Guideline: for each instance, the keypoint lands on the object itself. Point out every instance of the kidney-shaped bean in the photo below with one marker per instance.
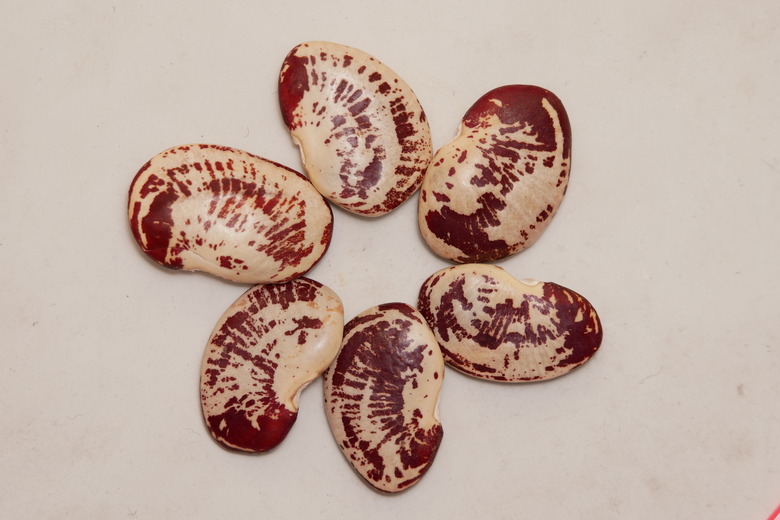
(363, 136)
(229, 213)
(382, 393)
(493, 326)
(492, 191)
(267, 347)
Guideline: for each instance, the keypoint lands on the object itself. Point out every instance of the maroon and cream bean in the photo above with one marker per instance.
(229, 213)
(267, 347)
(493, 326)
(493, 190)
(363, 136)
(382, 394)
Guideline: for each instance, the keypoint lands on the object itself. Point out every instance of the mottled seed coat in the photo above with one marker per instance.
(224, 211)
(267, 347)
(493, 326)
(382, 394)
(492, 191)
(363, 135)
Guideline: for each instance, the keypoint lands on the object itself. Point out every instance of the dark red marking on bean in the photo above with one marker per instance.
(339, 92)
(583, 339)
(156, 227)
(153, 184)
(360, 182)
(359, 107)
(354, 96)
(364, 123)
(467, 232)
(302, 325)
(544, 214)
(295, 82)
(440, 197)
(522, 105)
(259, 435)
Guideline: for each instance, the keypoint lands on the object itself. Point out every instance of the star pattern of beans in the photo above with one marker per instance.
(366, 146)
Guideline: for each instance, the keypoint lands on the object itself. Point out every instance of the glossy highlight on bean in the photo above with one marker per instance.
(382, 394)
(492, 191)
(227, 212)
(268, 346)
(363, 135)
(492, 326)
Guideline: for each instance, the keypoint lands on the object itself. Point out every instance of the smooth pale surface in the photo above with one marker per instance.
(669, 227)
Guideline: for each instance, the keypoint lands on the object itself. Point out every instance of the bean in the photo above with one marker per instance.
(268, 346)
(229, 213)
(363, 135)
(493, 190)
(382, 394)
(493, 326)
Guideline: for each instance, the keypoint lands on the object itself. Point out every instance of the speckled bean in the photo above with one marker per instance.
(382, 394)
(493, 326)
(229, 213)
(493, 190)
(267, 347)
(364, 138)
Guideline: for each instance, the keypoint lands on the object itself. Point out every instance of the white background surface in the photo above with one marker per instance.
(669, 227)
